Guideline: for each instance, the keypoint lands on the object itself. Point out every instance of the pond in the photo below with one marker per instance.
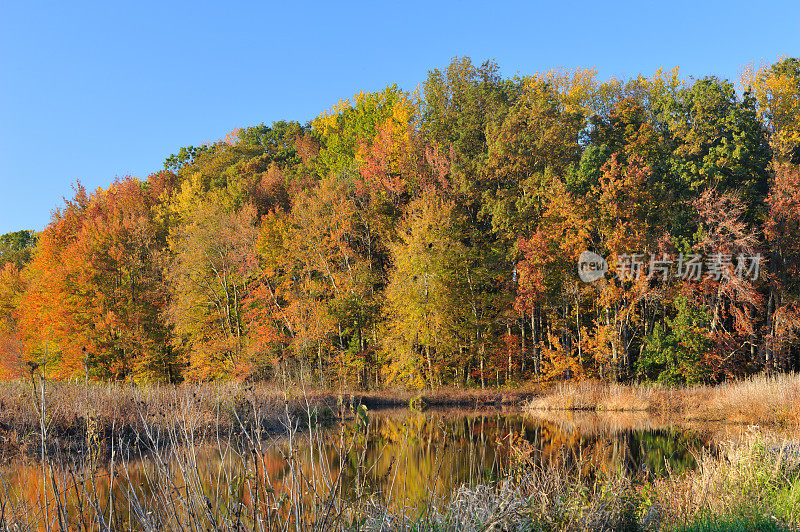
(393, 458)
(410, 458)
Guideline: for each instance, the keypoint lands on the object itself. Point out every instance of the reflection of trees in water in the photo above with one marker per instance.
(410, 458)
(630, 451)
(413, 457)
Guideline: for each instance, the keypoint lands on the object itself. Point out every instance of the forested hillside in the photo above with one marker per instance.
(433, 237)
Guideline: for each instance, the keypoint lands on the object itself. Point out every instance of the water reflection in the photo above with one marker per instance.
(402, 458)
(413, 457)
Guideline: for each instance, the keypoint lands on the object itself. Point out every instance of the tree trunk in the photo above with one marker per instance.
(522, 347)
(508, 368)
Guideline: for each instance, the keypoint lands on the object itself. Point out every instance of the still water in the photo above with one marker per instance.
(397, 457)
(413, 458)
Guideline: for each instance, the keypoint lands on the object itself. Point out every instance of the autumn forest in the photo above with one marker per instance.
(426, 238)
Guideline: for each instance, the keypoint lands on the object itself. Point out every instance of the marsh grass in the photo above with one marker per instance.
(751, 485)
(119, 409)
(158, 482)
(762, 399)
(273, 469)
(123, 412)
(162, 484)
(754, 481)
(594, 395)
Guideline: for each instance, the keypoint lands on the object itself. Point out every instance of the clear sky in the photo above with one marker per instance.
(91, 91)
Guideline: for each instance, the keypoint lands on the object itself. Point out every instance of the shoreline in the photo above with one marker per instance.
(77, 412)
(761, 400)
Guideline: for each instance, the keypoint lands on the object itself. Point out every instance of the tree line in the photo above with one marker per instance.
(432, 237)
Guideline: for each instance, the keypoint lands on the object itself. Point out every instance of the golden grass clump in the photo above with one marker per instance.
(594, 395)
(761, 400)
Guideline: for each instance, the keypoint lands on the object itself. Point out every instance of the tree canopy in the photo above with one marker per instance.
(434, 237)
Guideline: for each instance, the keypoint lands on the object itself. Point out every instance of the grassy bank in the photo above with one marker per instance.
(763, 400)
(70, 414)
(74, 409)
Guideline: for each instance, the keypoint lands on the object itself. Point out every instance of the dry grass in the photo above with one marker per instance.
(122, 410)
(161, 484)
(772, 400)
(761, 399)
(446, 396)
(755, 478)
(754, 482)
(594, 395)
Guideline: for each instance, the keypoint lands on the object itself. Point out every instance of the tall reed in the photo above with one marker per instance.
(761, 399)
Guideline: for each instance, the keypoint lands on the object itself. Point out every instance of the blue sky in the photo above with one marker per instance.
(91, 91)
